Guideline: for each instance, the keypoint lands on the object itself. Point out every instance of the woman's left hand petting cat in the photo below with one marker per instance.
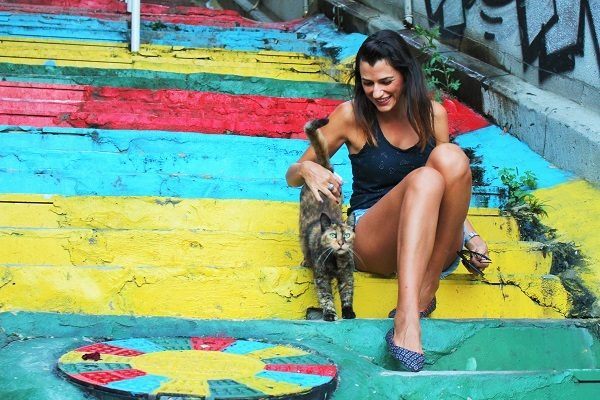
(320, 179)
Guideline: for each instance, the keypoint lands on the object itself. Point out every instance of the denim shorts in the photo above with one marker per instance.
(356, 215)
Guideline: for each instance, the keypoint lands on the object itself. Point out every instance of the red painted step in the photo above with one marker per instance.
(117, 10)
(461, 118)
(177, 110)
(180, 110)
(172, 110)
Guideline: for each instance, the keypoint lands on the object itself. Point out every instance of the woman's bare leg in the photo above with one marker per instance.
(431, 204)
(397, 235)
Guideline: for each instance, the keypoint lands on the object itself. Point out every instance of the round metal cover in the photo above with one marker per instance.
(193, 368)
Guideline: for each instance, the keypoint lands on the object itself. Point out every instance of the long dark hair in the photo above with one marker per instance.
(390, 46)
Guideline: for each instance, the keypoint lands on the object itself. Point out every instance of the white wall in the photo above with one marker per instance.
(553, 44)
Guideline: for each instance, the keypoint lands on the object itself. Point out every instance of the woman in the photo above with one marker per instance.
(411, 187)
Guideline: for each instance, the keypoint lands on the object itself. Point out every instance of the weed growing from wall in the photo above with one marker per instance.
(438, 72)
(527, 210)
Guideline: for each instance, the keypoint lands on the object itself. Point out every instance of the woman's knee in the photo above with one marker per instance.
(450, 161)
(426, 181)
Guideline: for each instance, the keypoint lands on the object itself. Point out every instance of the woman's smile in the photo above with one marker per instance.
(382, 102)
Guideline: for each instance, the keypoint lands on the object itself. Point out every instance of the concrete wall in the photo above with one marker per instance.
(286, 9)
(553, 44)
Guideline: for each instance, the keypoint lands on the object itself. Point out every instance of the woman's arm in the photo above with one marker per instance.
(307, 171)
(440, 123)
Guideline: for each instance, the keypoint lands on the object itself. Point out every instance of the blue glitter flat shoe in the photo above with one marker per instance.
(409, 360)
(422, 314)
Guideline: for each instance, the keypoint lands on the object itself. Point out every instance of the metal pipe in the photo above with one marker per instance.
(305, 13)
(408, 13)
(249, 8)
(135, 25)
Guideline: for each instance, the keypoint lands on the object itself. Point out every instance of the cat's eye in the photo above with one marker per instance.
(333, 235)
(346, 235)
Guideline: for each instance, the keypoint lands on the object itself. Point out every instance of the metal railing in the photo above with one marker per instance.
(133, 7)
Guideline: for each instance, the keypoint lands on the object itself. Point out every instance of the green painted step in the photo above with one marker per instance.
(205, 82)
(477, 359)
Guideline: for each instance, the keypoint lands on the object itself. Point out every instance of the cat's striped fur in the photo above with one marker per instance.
(325, 239)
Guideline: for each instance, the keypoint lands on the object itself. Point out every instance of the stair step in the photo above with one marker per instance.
(116, 10)
(166, 109)
(233, 84)
(251, 293)
(189, 248)
(505, 359)
(266, 64)
(159, 163)
(84, 28)
(164, 213)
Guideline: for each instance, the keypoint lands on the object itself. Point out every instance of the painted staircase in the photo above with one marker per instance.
(153, 183)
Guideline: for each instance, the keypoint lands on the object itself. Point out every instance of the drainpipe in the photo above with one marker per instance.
(251, 10)
(135, 25)
(408, 16)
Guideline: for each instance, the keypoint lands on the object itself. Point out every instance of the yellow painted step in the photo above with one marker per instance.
(189, 248)
(250, 293)
(265, 64)
(162, 213)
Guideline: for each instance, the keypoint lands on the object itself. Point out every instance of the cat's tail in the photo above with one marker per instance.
(318, 141)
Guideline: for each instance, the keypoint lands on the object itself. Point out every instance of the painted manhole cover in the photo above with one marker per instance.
(194, 368)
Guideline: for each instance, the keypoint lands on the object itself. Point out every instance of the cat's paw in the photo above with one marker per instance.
(329, 316)
(348, 313)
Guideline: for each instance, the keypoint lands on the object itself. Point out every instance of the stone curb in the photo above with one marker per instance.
(560, 130)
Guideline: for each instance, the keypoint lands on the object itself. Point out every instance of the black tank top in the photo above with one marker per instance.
(377, 169)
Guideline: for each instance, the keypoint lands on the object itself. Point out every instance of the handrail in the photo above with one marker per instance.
(133, 7)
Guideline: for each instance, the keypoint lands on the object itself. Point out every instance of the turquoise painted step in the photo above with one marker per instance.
(156, 163)
(491, 144)
(479, 359)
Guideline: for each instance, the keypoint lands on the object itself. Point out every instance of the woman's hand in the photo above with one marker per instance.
(478, 245)
(320, 179)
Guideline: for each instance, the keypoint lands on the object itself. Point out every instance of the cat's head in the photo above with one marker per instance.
(337, 236)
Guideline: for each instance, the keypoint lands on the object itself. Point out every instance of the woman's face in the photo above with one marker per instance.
(382, 84)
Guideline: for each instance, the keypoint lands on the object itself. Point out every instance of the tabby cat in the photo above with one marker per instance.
(325, 239)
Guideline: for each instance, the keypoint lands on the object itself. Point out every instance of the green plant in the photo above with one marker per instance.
(523, 206)
(527, 211)
(438, 72)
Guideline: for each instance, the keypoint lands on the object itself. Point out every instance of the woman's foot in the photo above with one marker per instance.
(409, 360)
(407, 333)
(422, 314)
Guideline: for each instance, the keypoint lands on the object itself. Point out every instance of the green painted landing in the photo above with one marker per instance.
(477, 359)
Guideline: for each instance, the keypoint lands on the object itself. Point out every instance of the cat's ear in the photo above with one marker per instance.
(325, 222)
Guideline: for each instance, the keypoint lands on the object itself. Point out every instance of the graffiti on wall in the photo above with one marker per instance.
(551, 31)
